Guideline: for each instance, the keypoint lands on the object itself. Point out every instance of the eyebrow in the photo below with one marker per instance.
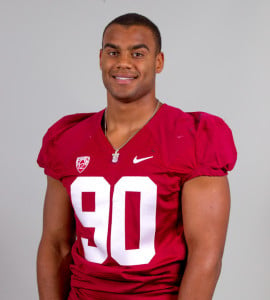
(109, 45)
(135, 47)
(139, 46)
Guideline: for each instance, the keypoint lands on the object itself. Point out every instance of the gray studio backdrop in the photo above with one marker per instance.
(217, 60)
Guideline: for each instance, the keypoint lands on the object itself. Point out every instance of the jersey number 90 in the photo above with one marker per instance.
(99, 219)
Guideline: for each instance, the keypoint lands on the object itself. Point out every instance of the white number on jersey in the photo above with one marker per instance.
(99, 219)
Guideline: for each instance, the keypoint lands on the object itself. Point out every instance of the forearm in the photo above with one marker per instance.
(53, 272)
(200, 278)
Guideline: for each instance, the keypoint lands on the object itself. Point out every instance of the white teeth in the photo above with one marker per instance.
(123, 78)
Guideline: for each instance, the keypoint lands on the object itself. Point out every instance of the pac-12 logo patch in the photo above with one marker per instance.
(82, 163)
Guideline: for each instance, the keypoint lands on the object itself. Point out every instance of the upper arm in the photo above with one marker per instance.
(58, 220)
(205, 208)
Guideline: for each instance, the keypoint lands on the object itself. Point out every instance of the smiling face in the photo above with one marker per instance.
(129, 62)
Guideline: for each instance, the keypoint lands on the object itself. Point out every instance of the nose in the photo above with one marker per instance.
(124, 61)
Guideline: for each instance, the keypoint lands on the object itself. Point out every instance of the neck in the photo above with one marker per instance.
(129, 116)
(120, 128)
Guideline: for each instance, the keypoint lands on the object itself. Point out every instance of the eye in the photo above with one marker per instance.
(113, 53)
(137, 54)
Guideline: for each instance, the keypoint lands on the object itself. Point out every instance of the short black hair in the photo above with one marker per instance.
(131, 19)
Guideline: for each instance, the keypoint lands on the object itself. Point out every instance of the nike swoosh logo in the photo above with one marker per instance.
(138, 160)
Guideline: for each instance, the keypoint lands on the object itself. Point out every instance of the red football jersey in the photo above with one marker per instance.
(130, 242)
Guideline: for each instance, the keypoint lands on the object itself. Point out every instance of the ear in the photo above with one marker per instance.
(100, 55)
(159, 62)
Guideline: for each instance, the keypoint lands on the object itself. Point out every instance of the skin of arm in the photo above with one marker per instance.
(54, 253)
(205, 208)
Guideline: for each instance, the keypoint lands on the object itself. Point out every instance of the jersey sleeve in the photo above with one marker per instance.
(214, 149)
(50, 153)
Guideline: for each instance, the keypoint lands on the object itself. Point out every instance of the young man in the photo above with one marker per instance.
(137, 200)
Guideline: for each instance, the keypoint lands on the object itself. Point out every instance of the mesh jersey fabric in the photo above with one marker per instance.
(130, 242)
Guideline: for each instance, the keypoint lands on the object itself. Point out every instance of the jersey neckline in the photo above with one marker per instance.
(107, 143)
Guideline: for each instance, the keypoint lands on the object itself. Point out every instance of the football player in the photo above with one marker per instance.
(137, 200)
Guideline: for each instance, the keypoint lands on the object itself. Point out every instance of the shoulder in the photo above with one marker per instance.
(203, 120)
(63, 138)
(68, 122)
(193, 122)
(189, 124)
(194, 118)
(197, 143)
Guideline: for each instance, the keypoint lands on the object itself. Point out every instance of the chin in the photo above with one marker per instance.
(128, 97)
(125, 98)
